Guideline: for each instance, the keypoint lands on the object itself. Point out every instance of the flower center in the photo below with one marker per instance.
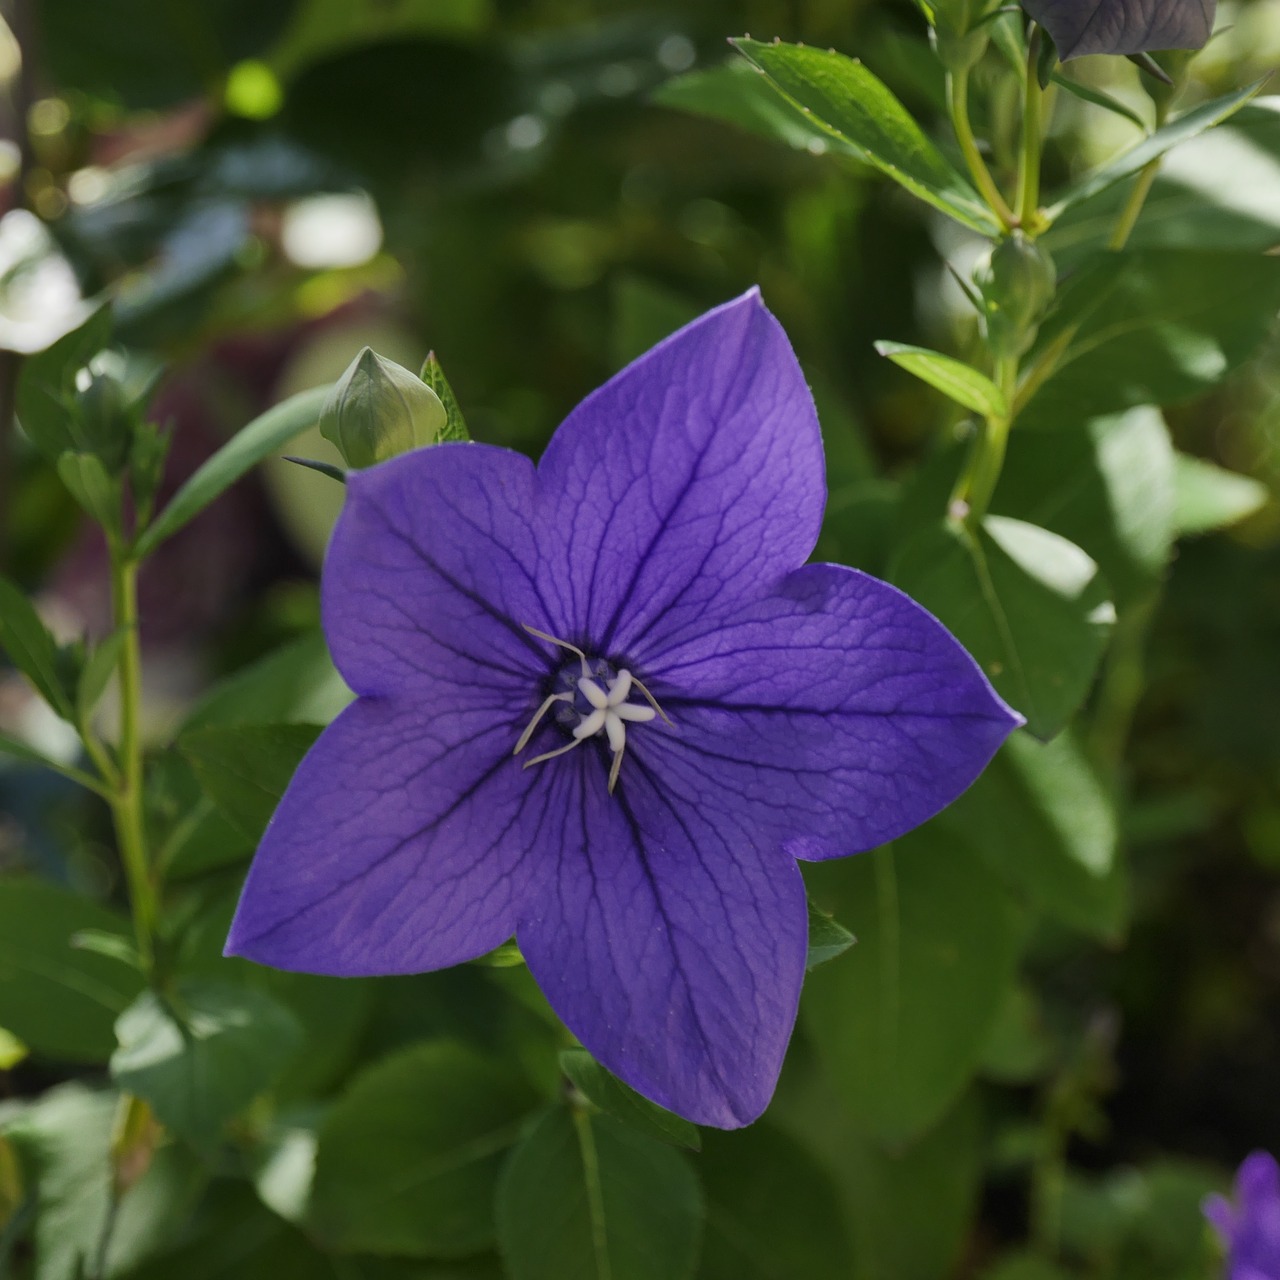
(591, 697)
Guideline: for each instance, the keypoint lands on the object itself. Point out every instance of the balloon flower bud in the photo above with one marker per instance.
(378, 409)
(1017, 282)
(105, 411)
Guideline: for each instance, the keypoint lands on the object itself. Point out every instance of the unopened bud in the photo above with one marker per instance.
(378, 409)
(1017, 282)
(106, 411)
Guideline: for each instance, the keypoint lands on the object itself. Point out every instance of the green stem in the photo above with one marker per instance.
(1028, 199)
(958, 109)
(595, 1192)
(127, 804)
(1128, 218)
(977, 483)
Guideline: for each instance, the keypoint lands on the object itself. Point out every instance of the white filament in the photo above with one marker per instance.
(610, 711)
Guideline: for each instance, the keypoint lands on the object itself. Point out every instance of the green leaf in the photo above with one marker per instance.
(408, 1158)
(859, 113)
(295, 684)
(737, 94)
(249, 446)
(900, 1023)
(915, 1205)
(1044, 822)
(202, 1054)
(1220, 190)
(64, 1140)
(48, 379)
(1018, 1051)
(828, 938)
(954, 378)
(1155, 326)
(31, 647)
(97, 672)
(1185, 127)
(587, 1197)
(60, 1001)
(1095, 96)
(455, 426)
(1027, 604)
(1107, 486)
(1210, 498)
(772, 1210)
(621, 1101)
(245, 769)
(90, 485)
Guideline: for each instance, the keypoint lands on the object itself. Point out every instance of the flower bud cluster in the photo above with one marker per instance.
(1016, 282)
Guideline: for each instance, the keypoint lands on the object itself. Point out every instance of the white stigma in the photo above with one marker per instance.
(610, 711)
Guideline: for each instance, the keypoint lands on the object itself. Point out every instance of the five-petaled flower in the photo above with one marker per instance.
(1250, 1228)
(604, 708)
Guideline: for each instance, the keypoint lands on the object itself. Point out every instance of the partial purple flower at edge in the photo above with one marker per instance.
(1250, 1228)
(1078, 27)
(806, 712)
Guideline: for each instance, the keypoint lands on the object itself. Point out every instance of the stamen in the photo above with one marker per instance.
(537, 719)
(564, 644)
(551, 755)
(590, 725)
(653, 702)
(610, 711)
(594, 694)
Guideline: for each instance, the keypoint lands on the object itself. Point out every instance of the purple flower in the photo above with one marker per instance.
(603, 708)
(1123, 26)
(1250, 1228)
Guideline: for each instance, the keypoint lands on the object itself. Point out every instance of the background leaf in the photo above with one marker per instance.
(249, 446)
(899, 1023)
(59, 1000)
(624, 1103)
(587, 1197)
(395, 1176)
(201, 1055)
(772, 1210)
(1155, 326)
(1028, 605)
(1208, 498)
(245, 769)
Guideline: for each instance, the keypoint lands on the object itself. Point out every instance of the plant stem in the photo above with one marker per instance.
(127, 804)
(1028, 198)
(977, 482)
(1128, 218)
(958, 109)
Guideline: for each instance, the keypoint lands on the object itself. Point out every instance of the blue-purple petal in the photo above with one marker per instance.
(398, 847)
(682, 484)
(670, 943)
(835, 711)
(432, 571)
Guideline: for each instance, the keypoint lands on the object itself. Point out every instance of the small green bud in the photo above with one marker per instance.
(1017, 281)
(105, 409)
(959, 31)
(378, 409)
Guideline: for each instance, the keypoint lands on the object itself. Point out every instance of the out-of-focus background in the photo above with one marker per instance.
(265, 186)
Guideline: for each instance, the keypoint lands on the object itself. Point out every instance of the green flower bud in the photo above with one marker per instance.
(100, 410)
(378, 409)
(1017, 281)
(958, 32)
